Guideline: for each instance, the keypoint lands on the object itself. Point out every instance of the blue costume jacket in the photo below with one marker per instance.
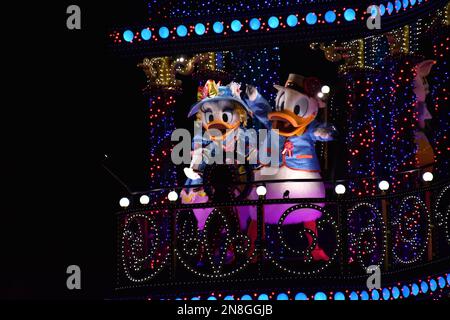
(297, 152)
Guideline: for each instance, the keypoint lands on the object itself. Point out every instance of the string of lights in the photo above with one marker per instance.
(433, 286)
(440, 92)
(337, 15)
(366, 235)
(411, 230)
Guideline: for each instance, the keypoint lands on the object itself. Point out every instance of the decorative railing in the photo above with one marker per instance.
(161, 246)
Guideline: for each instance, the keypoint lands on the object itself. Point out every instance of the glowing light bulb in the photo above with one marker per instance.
(325, 89)
(144, 199)
(172, 196)
(261, 191)
(427, 176)
(340, 189)
(124, 202)
(383, 185)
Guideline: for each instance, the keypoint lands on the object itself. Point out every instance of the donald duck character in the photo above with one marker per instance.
(222, 114)
(296, 107)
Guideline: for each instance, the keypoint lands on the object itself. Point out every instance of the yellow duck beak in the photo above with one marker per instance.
(219, 130)
(288, 123)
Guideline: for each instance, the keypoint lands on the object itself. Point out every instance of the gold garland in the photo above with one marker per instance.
(161, 71)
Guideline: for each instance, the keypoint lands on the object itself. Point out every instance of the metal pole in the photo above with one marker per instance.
(342, 229)
(173, 238)
(385, 213)
(431, 220)
(260, 233)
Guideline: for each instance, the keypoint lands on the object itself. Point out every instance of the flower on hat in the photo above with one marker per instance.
(209, 90)
(214, 91)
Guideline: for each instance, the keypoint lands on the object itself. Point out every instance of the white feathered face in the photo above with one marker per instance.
(296, 102)
(220, 118)
(293, 111)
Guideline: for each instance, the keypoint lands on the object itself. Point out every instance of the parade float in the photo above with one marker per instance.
(361, 117)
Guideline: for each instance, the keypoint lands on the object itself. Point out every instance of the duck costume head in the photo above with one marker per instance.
(296, 105)
(220, 109)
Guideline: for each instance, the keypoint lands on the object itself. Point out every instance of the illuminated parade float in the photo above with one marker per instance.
(339, 111)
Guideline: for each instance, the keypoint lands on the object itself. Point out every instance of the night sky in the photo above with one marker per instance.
(72, 103)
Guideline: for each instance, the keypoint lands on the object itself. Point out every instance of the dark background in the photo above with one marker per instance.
(68, 102)
(73, 101)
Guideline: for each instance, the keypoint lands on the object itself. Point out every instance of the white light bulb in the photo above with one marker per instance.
(144, 199)
(325, 89)
(124, 202)
(383, 185)
(427, 176)
(261, 191)
(172, 196)
(340, 189)
(320, 95)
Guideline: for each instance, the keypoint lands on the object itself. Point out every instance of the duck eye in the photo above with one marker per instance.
(227, 116)
(209, 116)
(282, 105)
(301, 107)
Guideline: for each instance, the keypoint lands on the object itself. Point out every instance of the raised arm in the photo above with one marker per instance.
(323, 132)
(259, 106)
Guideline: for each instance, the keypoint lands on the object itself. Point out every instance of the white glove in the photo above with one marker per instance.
(252, 92)
(191, 174)
(323, 133)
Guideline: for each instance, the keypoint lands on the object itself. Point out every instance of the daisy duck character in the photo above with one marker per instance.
(223, 116)
(297, 105)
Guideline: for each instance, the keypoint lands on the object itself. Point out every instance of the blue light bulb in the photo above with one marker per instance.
(146, 34)
(330, 16)
(182, 31)
(292, 20)
(236, 25)
(320, 296)
(128, 36)
(311, 18)
(349, 14)
(255, 24)
(218, 27)
(273, 22)
(200, 29)
(163, 32)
